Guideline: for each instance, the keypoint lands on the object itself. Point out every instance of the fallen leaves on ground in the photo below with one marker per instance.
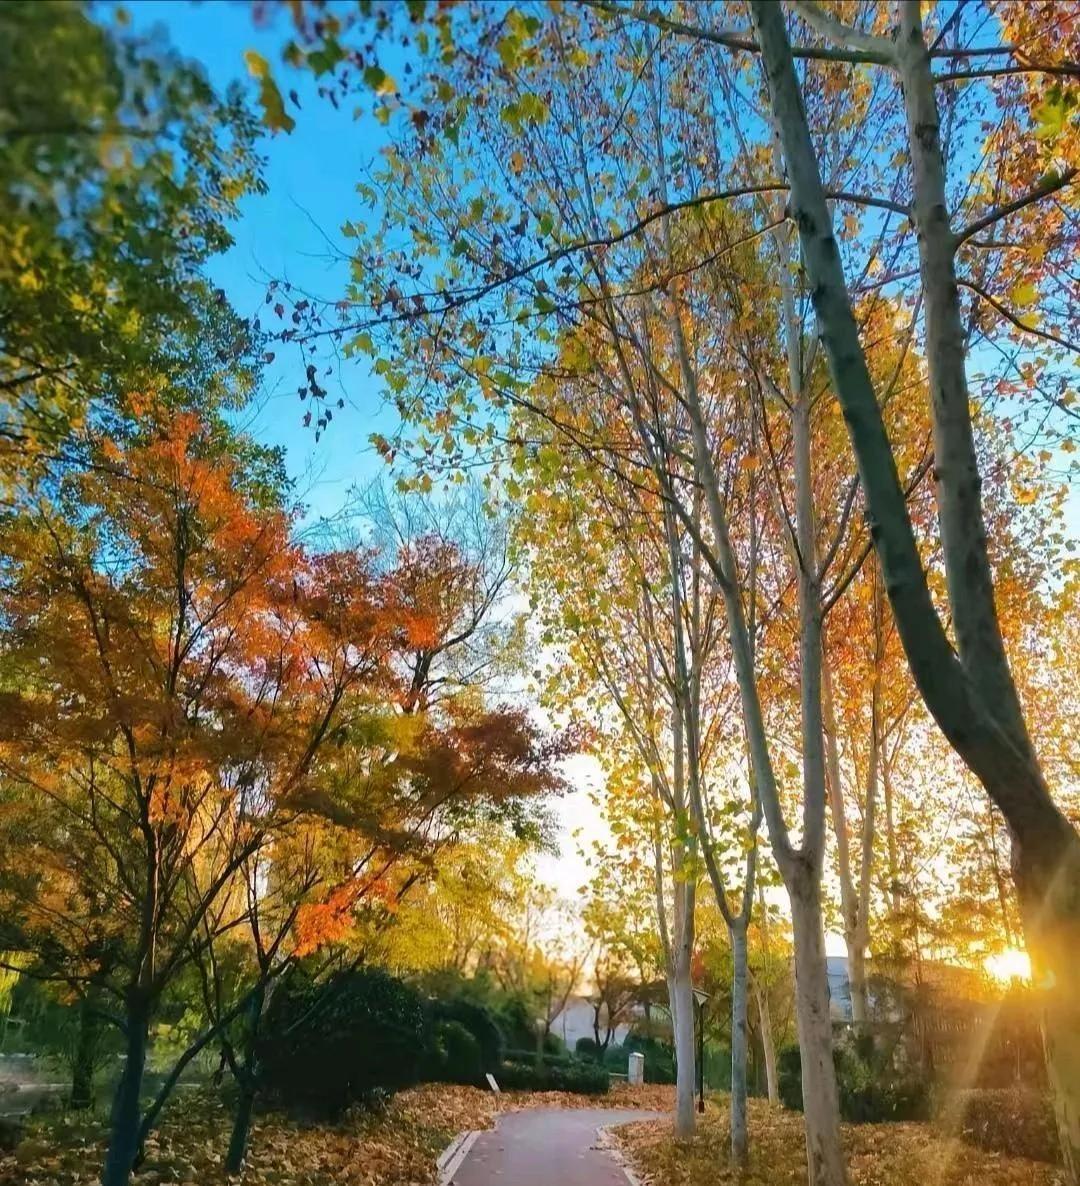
(398, 1147)
(877, 1154)
(395, 1148)
(652, 1097)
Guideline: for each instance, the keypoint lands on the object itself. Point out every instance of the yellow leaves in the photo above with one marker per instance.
(1024, 294)
(257, 65)
(899, 1154)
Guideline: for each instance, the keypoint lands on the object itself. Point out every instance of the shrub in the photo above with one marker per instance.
(478, 1020)
(587, 1048)
(351, 1040)
(1013, 1120)
(870, 1093)
(455, 1055)
(548, 1057)
(580, 1078)
(789, 1077)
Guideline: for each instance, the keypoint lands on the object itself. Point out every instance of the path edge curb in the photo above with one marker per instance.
(606, 1141)
(449, 1160)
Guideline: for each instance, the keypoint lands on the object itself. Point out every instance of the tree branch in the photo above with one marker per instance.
(736, 40)
(834, 30)
(1005, 312)
(1050, 184)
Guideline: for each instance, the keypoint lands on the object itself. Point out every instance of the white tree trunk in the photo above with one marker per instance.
(849, 910)
(739, 978)
(684, 1023)
(821, 1104)
(768, 1043)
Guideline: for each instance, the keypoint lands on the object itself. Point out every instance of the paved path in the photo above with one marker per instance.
(546, 1147)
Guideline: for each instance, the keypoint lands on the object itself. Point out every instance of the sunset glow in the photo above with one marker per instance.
(1008, 965)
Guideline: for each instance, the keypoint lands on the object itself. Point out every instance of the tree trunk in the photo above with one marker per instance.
(821, 1104)
(1048, 891)
(238, 1141)
(85, 1060)
(684, 1045)
(856, 974)
(739, 1040)
(124, 1123)
(849, 910)
(768, 1044)
(956, 466)
(248, 1084)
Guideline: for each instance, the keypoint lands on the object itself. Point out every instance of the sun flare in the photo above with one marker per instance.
(1008, 965)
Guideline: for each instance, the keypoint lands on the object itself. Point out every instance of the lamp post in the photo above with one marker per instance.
(700, 997)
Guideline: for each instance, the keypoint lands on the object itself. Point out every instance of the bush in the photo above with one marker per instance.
(1012, 1120)
(580, 1078)
(352, 1040)
(455, 1055)
(870, 1093)
(548, 1057)
(479, 1021)
(789, 1078)
(587, 1048)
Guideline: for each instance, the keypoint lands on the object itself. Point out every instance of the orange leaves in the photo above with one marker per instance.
(325, 922)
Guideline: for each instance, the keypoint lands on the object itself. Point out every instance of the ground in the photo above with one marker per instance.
(399, 1148)
(395, 1149)
(878, 1155)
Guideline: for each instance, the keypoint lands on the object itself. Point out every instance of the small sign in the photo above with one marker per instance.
(491, 1083)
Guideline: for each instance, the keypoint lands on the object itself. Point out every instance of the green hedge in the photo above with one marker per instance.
(454, 1055)
(659, 1058)
(480, 1022)
(581, 1078)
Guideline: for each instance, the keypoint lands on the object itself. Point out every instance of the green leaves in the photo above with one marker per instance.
(526, 109)
(379, 81)
(104, 230)
(276, 118)
(1053, 113)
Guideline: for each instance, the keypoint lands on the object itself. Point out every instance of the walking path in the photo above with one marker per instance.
(545, 1147)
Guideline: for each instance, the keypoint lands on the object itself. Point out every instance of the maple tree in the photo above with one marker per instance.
(205, 735)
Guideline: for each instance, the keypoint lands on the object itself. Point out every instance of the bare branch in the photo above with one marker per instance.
(1050, 184)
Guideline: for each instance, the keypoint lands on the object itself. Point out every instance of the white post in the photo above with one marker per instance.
(635, 1071)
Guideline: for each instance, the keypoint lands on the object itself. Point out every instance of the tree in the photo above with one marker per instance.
(970, 691)
(167, 698)
(614, 997)
(535, 251)
(117, 183)
(539, 958)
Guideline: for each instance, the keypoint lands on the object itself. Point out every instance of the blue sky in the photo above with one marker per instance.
(312, 175)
